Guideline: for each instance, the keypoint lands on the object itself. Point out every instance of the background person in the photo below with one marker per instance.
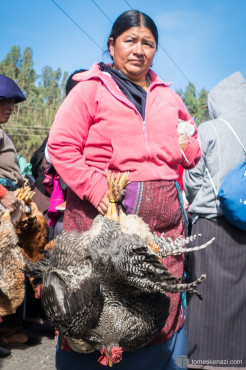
(217, 325)
(10, 179)
(50, 189)
(10, 174)
(123, 117)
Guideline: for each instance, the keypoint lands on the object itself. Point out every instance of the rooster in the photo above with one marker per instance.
(105, 289)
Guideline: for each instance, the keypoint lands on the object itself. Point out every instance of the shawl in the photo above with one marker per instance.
(135, 93)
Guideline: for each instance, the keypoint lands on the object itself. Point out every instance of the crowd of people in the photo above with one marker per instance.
(122, 117)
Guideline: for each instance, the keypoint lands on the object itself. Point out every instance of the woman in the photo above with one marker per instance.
(10, 174)
(123, 117)
(217, 326)
(10, 179)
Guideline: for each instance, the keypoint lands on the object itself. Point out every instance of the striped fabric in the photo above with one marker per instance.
(217, 325)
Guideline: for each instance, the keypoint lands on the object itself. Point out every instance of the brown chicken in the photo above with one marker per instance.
(22, 235)
(12, 287)
(32, 228)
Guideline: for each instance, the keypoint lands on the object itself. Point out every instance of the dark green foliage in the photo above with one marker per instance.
(31, 120)
(195, 103)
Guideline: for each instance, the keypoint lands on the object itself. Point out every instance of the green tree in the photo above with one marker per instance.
(190, 99)
(10, 66)
(195, 102)
(27, 75)
(31, 119)
(202, 114)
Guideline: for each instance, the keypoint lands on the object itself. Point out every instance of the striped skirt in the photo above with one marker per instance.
(216, 326)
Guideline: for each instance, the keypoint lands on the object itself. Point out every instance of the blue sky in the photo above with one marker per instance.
(204, 39)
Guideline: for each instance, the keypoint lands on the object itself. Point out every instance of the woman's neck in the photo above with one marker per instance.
(143, 82)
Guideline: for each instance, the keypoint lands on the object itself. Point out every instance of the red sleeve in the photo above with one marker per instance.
(3, 191)
(193, 152)
(180, 179)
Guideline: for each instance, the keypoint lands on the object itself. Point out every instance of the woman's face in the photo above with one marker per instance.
(6, 108)
(133, 52)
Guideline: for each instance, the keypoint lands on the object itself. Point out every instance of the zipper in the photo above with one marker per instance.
(148, 148)
(143, 121)
(146, 140)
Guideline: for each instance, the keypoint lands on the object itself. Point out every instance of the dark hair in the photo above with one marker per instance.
(133, 18)
(70, 82)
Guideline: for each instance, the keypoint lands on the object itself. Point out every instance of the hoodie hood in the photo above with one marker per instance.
(221, 150)
(228, 98)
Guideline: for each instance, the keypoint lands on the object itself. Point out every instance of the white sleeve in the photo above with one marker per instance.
(47, 154)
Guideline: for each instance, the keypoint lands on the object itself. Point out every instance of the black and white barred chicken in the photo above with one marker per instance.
(105, 289)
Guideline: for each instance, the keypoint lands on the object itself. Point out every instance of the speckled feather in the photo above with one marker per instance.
(12, 279)
(106, 288)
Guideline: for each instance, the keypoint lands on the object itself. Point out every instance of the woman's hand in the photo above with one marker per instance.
(10, 202)
(104, 203)
(183, 141)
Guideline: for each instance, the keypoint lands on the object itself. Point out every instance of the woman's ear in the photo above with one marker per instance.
(111, 47)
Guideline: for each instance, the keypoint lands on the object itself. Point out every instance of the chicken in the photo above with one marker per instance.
(22, 235)
(32, 227)
(12, 279)
(105, 289)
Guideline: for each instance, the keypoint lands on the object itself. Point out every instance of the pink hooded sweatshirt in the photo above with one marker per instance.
(97, 128)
